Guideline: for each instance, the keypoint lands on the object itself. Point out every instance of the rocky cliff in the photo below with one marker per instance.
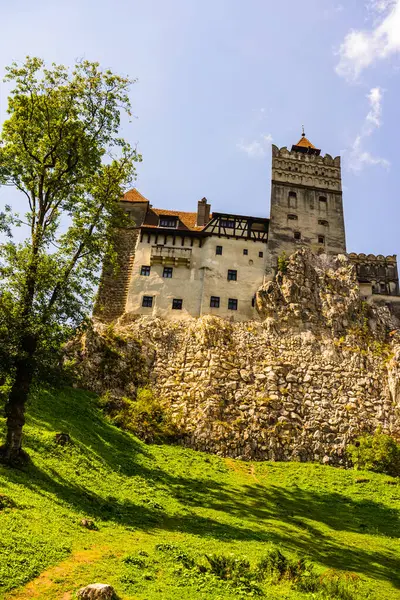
(320, 368)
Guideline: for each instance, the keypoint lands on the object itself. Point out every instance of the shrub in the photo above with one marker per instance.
(277, 566)
(146, 416)
(283, 263)
(377, 452)
(236, 571)
(343, 586)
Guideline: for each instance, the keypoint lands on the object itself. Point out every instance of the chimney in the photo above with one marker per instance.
(203, 212)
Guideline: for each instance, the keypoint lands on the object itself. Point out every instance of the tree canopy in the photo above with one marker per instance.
(61, 148)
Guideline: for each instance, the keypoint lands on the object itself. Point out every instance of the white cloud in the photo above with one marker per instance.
(357, 157)
(375, 99)
(257, 148)
(361, 48)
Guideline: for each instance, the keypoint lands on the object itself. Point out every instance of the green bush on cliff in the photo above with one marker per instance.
(146, 416)
(378, 452)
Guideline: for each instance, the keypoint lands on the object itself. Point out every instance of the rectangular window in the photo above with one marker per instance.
(166, 221)
(145, 270)
(177, 304)
(214, 301)
(245, 251)
(297, 235)
(227, 223)
(321, 239)
(218, 250)
(147, 301)
(253, 301)
(167, 272)
(232, 304)
(261, 254)
(232, 275)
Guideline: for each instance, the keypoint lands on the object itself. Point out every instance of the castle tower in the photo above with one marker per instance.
(306, 201)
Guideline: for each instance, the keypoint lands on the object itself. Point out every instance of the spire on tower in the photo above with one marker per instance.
(304, 145)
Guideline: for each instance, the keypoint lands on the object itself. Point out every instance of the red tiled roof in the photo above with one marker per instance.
(187, 220)
(133, 196)
(304, 142)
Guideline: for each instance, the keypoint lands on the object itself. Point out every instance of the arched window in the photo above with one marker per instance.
(323, 223)
(292, 217)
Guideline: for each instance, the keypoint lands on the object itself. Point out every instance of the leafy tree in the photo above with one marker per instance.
(60, 148)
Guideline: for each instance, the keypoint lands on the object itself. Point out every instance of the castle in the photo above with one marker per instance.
(178, 264)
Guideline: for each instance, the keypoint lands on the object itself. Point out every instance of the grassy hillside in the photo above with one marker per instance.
(160, 510)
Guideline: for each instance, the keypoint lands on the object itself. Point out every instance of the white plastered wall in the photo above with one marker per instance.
(206, 277)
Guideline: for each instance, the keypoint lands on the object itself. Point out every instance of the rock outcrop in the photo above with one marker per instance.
(321, 368)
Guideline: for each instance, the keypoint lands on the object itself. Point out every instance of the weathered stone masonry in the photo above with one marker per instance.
(314, 374)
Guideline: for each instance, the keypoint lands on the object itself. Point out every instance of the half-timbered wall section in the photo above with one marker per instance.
(238, 227)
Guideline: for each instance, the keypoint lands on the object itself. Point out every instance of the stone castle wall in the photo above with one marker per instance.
(317, 371)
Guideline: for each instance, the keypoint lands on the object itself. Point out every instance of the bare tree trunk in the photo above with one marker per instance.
(12, 453)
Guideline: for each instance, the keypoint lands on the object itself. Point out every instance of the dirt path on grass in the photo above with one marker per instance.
(52, 582)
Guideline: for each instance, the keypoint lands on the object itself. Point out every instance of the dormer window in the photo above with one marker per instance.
(168, 221)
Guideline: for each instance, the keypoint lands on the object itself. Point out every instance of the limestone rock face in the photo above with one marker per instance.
(96, 591)
(322, 368)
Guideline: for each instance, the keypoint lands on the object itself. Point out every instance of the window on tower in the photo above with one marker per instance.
(323, 203)
(292, 200)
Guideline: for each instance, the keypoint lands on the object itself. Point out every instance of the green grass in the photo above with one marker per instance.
(162, 509)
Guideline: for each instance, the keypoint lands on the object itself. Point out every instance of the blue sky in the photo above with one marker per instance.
(219, 79)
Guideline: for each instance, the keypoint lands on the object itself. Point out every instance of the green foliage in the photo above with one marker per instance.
(161, 509)
(283, 262)
(60, 148)
(146, 416)
(377, 452)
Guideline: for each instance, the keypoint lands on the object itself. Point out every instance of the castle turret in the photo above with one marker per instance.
(306, 201)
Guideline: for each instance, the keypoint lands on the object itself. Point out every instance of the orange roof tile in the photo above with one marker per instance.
(188, 219)
(304, 142)
(133, 196)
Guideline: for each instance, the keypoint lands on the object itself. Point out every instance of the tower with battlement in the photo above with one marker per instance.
(306, 201)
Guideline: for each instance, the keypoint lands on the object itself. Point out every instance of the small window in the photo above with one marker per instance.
(261, 254)
(232, 304)
(297, 235)
(227, 223)
(166, 221)
(214, 301)
(253, 301)
(321, 239)
(177, 304)
(383, 288)
(323, 222)
(232, 275)
(292, 200)
(292, 217)
(147, 301)
(218, 250)
(167, 272)
(245, 251)
(145, 271)
(323, 203)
